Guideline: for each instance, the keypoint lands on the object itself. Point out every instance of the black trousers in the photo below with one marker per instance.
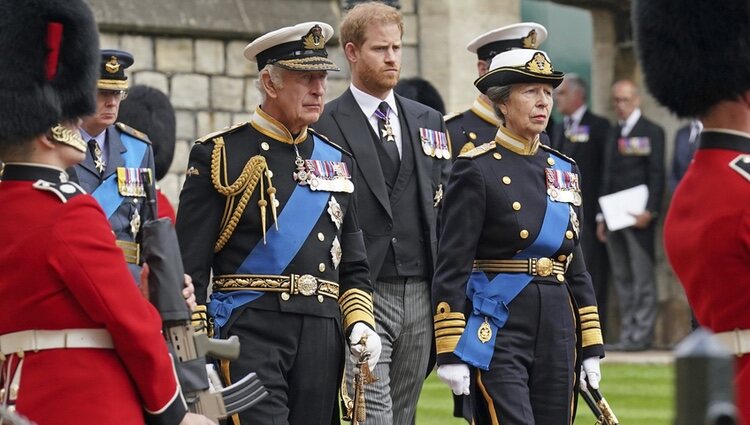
(532, 372)
(298, 358)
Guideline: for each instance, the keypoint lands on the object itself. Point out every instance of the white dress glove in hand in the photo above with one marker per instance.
(373, 345)
(456, 376)
(590, 369)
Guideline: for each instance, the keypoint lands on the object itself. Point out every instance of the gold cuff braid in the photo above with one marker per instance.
(448, 328)
(356, 306)
(591, 332)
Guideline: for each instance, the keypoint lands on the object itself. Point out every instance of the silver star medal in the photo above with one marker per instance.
(135, 223)
(334, 210)
(574, 220)
(336, 252)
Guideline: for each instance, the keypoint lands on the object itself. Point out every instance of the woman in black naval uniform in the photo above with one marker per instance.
(515, 310)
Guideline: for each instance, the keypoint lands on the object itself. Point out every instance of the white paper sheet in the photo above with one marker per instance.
(618, 207)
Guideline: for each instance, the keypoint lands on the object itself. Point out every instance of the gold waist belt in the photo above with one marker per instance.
(306, 285)
(542, 266)
(131, 250)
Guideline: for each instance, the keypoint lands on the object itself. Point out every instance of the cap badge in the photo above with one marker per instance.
(529, 42)
(314, 39)
(539, 64)
(112, 66)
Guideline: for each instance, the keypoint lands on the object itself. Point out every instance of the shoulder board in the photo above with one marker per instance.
(452, 115)
(327, 140)
(64, 191)
(741, 164)
(558, 153)
(222, 132)
(479, 150)
(133, 132)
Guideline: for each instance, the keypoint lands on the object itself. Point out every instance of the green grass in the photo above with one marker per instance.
(638, 394)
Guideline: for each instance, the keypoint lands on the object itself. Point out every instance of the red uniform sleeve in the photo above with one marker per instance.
(96, 274)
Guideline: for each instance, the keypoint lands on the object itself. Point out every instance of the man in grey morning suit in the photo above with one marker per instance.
(402, 164)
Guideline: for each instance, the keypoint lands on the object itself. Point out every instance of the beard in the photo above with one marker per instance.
(378, 80)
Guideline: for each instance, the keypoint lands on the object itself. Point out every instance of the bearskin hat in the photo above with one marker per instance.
(49, 68)
(420, 90)
(694, 53)
(149, 110)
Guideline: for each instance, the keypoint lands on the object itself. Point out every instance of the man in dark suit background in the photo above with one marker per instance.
(582, 136)
(402, 165)
(685, 144)
(634, 155)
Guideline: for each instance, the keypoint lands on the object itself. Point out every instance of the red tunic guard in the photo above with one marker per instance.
(62, 270)
(707, 238)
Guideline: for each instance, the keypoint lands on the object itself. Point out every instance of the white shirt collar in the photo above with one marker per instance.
(100, 138)
(578, 114)
(369, 103)
(630, 121)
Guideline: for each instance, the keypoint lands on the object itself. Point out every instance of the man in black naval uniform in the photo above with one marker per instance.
(582, 136)
(116, 156)
(267, 207)
(403, 163)
(478, 124)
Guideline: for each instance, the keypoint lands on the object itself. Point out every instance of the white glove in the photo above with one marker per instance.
(455, 376)
(590, 369)
(373, 345)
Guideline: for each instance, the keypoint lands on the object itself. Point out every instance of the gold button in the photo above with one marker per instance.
(569, 234)
(516, 206)
(550, 161)
(560, 277)
(264, 146)
(285, 296)
(506, 180)
(524, 234)
(320, 298)
(562, 258)
(321, 237)
(472, 135)
(497, 156)
(322, 267)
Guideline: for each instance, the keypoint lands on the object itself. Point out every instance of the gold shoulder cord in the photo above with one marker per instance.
(245, 183)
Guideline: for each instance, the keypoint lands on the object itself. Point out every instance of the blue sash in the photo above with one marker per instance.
(296, 222)
(107, 193)
(490, 299)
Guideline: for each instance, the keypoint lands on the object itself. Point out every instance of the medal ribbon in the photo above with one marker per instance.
(490, 299)
(107, 194)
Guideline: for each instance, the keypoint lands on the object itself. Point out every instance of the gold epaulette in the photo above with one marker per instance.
(449, 326)
(133, 132)
(222, 132)
(591, 330)
(327, 140)
(479, 150)
(557, 152)
(356, 306)
(452, 115)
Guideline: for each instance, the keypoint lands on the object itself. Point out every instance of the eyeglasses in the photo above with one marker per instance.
(119, 94)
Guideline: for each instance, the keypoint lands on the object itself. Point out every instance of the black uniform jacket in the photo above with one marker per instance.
(345, 124)
(495, 203)
(472, 127)
(203, 210)
(626, 168)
